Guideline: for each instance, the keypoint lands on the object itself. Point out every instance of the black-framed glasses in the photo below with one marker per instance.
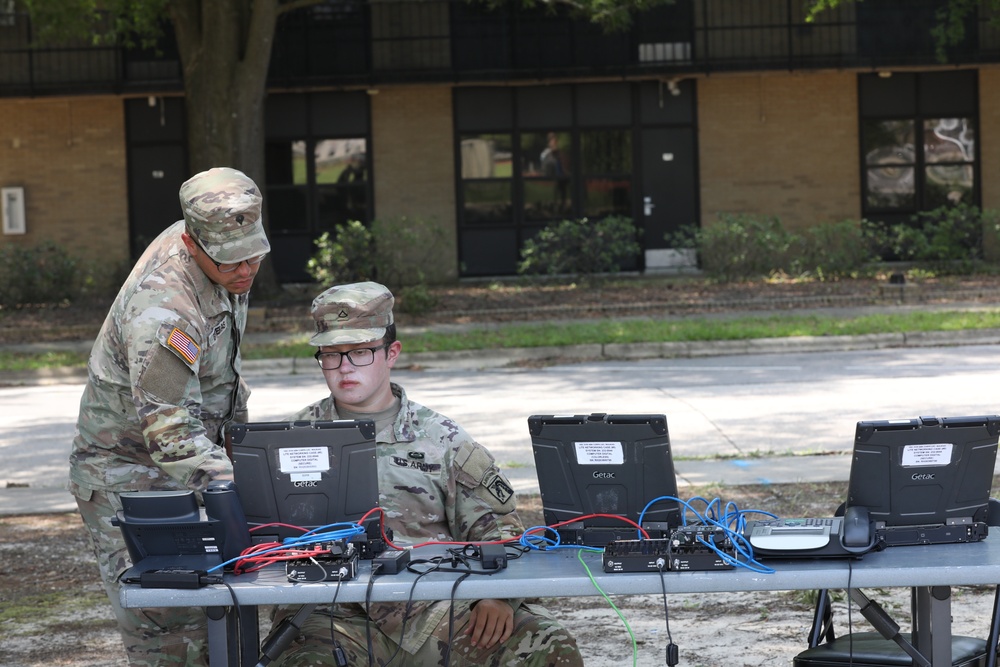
(229, 268)
(225, 267)
(362, 356)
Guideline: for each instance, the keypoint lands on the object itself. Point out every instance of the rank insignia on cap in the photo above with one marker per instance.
(184, 345)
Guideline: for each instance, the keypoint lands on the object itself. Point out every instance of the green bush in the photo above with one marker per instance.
(346, 257)
(948, 238)
(741, 247)
(948, 233)
(393, 251)
(829, 251)
(581, 247)
(415, 300)
(41, 274)
(745, 247)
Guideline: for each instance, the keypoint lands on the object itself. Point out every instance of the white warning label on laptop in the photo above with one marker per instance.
(292, 460)
(600, 453)
(922, 456)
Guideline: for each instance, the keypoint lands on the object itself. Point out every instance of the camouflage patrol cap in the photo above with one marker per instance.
(348, 314)
(222, 209)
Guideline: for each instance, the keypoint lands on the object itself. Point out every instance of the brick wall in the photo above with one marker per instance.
(779, 144)
(69, 156)
(413, 158)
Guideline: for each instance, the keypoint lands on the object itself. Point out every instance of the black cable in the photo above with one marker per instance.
(368, 618)
(459, 564)
(338, 651)
(672, 658)
(850, 617)
(451, 616)
(239, 619)
(406, 616)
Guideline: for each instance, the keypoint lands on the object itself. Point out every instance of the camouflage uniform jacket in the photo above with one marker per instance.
(435, 483)
(163, 379)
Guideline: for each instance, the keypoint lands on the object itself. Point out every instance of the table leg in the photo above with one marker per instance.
(219, 647)
(226, 645)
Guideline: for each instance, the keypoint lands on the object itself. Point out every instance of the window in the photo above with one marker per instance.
(606, 163)
(486, 164)
(547, 175)
(918, 143)
(949, 157)
(318, 172)
(890, 163)
(531, 155)
(341, 167)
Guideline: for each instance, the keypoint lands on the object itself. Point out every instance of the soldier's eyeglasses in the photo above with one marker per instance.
(229, 268)
(224, 267)
(362, 356)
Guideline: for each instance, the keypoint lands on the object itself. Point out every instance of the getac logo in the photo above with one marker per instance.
(922, 477)
(304, 485)
(604, 475)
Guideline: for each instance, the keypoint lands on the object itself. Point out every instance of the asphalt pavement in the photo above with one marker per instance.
(473, 386)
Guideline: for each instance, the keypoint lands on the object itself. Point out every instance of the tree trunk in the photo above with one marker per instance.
(225, 50)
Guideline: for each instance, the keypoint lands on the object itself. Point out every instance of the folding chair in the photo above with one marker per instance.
(888, 647)
(872, 649)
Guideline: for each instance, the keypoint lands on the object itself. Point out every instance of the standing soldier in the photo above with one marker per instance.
(163, 383)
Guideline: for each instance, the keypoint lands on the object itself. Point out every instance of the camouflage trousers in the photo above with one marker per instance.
(538, 640)
(167, 636)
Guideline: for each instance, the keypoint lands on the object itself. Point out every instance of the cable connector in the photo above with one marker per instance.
(672, 654)
(339, 654)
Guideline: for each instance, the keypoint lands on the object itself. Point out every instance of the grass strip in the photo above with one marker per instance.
(625, 330)
(654, 331)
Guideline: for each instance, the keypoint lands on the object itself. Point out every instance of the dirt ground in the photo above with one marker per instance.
(53, 612)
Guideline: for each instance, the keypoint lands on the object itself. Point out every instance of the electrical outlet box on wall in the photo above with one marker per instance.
(12, 204)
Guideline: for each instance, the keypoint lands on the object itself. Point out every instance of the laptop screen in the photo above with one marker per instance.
(923, 479)
(604, 464)
(304, 474)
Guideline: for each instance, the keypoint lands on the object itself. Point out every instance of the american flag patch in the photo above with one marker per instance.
(183, 343)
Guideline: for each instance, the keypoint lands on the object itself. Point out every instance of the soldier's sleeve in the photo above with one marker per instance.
(485, 500)
(165, 353)
(484, 503)
(242, 414)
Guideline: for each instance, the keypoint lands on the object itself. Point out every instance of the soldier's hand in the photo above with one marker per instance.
(491, 623)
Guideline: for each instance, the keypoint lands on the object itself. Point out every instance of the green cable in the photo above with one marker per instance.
(635, 648)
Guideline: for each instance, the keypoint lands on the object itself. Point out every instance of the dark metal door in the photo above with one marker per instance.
(155, 177)
(157, 166)
(669, 184)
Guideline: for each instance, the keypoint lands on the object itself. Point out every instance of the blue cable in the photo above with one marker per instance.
(719, 516)
(548, 543)
(313, 536)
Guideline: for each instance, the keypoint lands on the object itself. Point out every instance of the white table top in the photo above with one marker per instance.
(558, 573)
